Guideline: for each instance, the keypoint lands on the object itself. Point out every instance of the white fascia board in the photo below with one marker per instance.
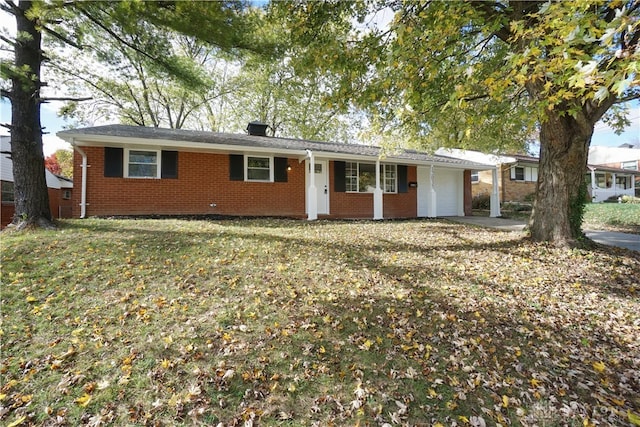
(159, 144)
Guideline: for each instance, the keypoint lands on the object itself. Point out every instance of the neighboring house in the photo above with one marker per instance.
(60, 188)
(625, 157)
(129, 170)
(518, 176)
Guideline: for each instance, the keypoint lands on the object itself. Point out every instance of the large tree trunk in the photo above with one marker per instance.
(559, 203)
(30, 186)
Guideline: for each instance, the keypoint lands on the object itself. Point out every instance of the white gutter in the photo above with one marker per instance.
(158, 144)
(83, 191)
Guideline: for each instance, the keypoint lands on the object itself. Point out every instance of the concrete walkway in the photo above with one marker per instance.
(609, 238)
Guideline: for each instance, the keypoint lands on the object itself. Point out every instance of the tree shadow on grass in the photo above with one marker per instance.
(403, 317)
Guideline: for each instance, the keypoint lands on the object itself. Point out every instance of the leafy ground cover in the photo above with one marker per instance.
(624, 217)
(277, 322)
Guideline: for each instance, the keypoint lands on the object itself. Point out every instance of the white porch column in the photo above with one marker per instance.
(377, 195)
(312, 191)
(613, 183)
(494, 203)
(433, 211)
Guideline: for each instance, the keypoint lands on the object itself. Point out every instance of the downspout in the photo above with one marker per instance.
(83, 189)
(312, 196)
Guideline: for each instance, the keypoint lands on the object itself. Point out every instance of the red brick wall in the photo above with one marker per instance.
(514, 191)
(55, 195)
(6, 213)
(360, 205)
(7, 209)
(203, 179)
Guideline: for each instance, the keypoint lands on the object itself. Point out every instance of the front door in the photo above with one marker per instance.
(322, 186)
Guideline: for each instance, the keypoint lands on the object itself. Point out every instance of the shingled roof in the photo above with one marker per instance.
(178, 137)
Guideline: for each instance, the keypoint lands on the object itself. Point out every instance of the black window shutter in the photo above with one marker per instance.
(339, 182)
(280, 169)
(236, 167)
(113, 158)
(169, 165)
(403, 186)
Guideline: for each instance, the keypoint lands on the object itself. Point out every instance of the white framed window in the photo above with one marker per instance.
(522, 173)
(142, 163)
(389, 176)
(361, 177)
(259, 168)
(632, 165)
(475, 177)
(66, 194)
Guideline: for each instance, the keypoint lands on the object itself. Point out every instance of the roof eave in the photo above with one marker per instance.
(94, 140)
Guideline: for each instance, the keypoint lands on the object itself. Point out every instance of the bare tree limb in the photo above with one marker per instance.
(64, 98)
(8, 41)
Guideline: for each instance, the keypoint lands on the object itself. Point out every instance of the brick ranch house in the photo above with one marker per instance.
(130, 170)
(60, 188)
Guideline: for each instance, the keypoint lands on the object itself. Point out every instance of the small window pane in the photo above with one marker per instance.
(258, 175)
(351, 176)
(142, 157)
(475, 177)
(142, 170)
(366, 177)
(389, 178)
(519, 174)
(258, 162)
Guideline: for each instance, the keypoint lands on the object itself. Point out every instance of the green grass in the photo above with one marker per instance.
(278, 322)
(623, 217)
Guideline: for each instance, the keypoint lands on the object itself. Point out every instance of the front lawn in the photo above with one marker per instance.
(278, 322)
(624, 217)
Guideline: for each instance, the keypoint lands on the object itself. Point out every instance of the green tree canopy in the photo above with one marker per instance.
(487, 75)
(142, 27)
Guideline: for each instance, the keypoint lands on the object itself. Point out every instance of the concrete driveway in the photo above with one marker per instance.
(609, 238)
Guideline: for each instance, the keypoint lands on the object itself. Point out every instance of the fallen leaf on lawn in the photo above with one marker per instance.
(633, 418)
(505, 400)
(599, 366)
(18, 421)
(84, 400)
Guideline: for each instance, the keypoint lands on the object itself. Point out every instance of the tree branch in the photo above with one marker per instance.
(6, 94)
(116, 36)
(64, 98)
(62, 38)
(8, 41)
(9, 7)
